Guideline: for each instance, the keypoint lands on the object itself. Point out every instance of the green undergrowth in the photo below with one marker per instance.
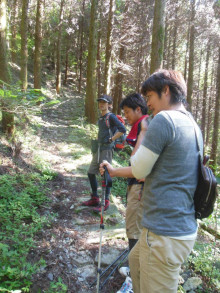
(20, 197)
(205, 262)
(119, 187)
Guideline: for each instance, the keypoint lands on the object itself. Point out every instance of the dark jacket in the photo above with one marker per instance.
(103, 134)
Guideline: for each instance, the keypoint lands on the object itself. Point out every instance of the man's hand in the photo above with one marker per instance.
(109, 168)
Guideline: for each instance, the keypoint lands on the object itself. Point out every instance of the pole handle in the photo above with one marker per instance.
(107, 178)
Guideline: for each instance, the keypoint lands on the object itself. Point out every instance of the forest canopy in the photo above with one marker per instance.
(112, 46)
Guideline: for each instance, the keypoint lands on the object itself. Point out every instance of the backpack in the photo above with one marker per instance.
(119, 142)
(206, 191)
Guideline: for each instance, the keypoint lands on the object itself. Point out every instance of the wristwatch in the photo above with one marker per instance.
(110, 139)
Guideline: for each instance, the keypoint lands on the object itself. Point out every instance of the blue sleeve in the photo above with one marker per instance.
(115, 123)
(160, 133)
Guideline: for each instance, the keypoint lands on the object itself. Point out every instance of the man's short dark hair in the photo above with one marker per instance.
(162, 78)
(133, 101)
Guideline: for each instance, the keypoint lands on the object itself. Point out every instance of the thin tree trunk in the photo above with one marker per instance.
(90, 102)
(58, 71)
(24, 47)
(14, 31)
(108, 51)
(99, 61)
(198, 91)
(165, 52)
(38, 45)
(169, 47)
(81, 46)
(213, 156)
(204, 100)
(158, 35)
(7, 117)
(66, 63)
(210, 101)
(186, 54)
(118, 83)
(191, 57)
(139, 68)
(175, 38)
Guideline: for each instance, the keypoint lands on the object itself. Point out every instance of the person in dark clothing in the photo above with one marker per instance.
(106, 142)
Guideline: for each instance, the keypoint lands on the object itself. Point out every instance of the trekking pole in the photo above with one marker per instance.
(106, 182)
(117, 265)
(103, 273)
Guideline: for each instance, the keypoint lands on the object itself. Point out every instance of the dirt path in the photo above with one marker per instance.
(70, 245)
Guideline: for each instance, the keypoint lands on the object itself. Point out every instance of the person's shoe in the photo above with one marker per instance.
(126, 286)
(124, 271)
(98, 209)
(93, 202)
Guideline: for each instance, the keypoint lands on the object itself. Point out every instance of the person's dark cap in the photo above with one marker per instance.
(105, 98)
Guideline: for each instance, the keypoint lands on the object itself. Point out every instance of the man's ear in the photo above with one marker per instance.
(138, 109)
(166, 90)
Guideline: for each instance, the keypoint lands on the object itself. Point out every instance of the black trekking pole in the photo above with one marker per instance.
(114, 269)
(106, 182)
(111, 265)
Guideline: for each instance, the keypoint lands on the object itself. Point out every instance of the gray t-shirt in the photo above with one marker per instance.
(169, 188)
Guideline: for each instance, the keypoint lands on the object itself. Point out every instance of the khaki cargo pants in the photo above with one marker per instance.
(155, 262)
(134, 211)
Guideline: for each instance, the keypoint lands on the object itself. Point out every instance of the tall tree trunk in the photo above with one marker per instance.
(14, 31)
(191, 57)
(210, 103)
(7, 117)
(139, 67)
(81, 46)
(58, 71)
(118, 83)
(198, 90)
(169, 36)
(213, 156)
(175, 37)
(158, 35)
(108, 50)
(90, 102)
(99, 62)
(38, 45)
(204, 100)
(165, 52)
(186, 54)
(24, 47)
(66, 62)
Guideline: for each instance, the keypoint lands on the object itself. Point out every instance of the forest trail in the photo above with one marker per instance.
(71, 244)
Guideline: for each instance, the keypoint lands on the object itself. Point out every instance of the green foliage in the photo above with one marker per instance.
(120, 184)
(17, 44)
(17, 101)
(119, 187)
(20, 196)
(44, 167)
(204, 261)
(180, 289)
(57, 287)
(51, 103)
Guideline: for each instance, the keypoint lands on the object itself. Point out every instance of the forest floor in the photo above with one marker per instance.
(59, 141)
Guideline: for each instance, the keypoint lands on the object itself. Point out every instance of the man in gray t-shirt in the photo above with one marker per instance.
(167, 157)
(170, 187)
